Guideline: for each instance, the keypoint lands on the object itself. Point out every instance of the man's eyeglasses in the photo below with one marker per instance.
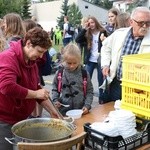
(142, 23)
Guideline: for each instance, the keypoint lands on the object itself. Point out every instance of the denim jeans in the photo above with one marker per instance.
(67, 41)
(90, 66)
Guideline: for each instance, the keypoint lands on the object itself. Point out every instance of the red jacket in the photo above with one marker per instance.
(16, 77)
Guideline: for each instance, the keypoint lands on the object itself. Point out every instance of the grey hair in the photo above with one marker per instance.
(139, 9)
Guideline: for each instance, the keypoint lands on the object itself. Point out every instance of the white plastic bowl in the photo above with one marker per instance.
(75, 113)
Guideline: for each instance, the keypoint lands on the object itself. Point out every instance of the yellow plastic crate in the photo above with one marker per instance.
(136, 69)
(136, 97)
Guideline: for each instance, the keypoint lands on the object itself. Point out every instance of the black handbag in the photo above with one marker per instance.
(105, 94)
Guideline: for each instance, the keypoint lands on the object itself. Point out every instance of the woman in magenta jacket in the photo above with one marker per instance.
(19, 82)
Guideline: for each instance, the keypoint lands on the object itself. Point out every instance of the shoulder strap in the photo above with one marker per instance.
(84, 77)
(68, 26)
(59, 79)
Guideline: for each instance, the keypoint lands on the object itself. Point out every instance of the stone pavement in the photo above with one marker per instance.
(48, 85)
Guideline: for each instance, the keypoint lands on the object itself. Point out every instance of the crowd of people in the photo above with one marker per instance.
(24, 46)
(102, 48)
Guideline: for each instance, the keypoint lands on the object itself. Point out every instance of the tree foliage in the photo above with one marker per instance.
(74, 14)
(63, 12)
(8, 6)
(26, 9)
(72, 11)
(106, 4)
(18, 6)
(42, 1)
(101, 3)
(134, 4)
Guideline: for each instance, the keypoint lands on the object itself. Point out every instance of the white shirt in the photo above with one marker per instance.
(66, 29)
(94, 50)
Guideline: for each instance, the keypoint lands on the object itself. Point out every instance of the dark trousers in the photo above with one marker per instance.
(5, 131)
(83, 49)
(55, 40)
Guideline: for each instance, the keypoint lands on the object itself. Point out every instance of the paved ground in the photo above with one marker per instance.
(48, 81)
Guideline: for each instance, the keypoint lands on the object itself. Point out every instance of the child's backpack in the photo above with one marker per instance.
(71, 29)
(59, 80)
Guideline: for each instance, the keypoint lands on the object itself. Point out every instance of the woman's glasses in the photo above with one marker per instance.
(142, 23)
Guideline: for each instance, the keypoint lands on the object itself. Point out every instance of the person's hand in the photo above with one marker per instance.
(42, 94)
(57, 104)
(102, 37)
(85, 110)
(86, 25)
(105, 71)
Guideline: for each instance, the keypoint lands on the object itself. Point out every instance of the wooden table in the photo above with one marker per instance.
(98, 114)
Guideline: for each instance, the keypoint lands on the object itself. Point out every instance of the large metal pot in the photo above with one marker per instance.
(40, 130)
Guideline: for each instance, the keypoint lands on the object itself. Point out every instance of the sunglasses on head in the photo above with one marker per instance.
(142, 23)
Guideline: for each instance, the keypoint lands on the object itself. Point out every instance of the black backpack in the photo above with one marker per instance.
(71, 29)
(47, 68)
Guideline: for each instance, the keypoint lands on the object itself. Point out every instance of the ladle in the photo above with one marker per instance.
(64, 105)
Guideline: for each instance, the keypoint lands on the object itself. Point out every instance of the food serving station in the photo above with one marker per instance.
(135, 98)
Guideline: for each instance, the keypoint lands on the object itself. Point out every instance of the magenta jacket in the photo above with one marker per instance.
(16, 77)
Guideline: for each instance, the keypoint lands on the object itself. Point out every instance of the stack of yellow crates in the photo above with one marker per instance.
(136, 84)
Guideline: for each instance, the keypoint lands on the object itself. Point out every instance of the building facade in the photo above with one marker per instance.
(124, 4)
(48, 12)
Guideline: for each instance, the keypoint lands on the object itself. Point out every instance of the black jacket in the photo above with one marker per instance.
(81, 38)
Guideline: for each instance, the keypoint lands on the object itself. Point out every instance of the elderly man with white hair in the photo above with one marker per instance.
(125, 41)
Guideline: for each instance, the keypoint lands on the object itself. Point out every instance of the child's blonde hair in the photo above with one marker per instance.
(72, 50)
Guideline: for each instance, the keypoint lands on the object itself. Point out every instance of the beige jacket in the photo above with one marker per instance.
(112, 45)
